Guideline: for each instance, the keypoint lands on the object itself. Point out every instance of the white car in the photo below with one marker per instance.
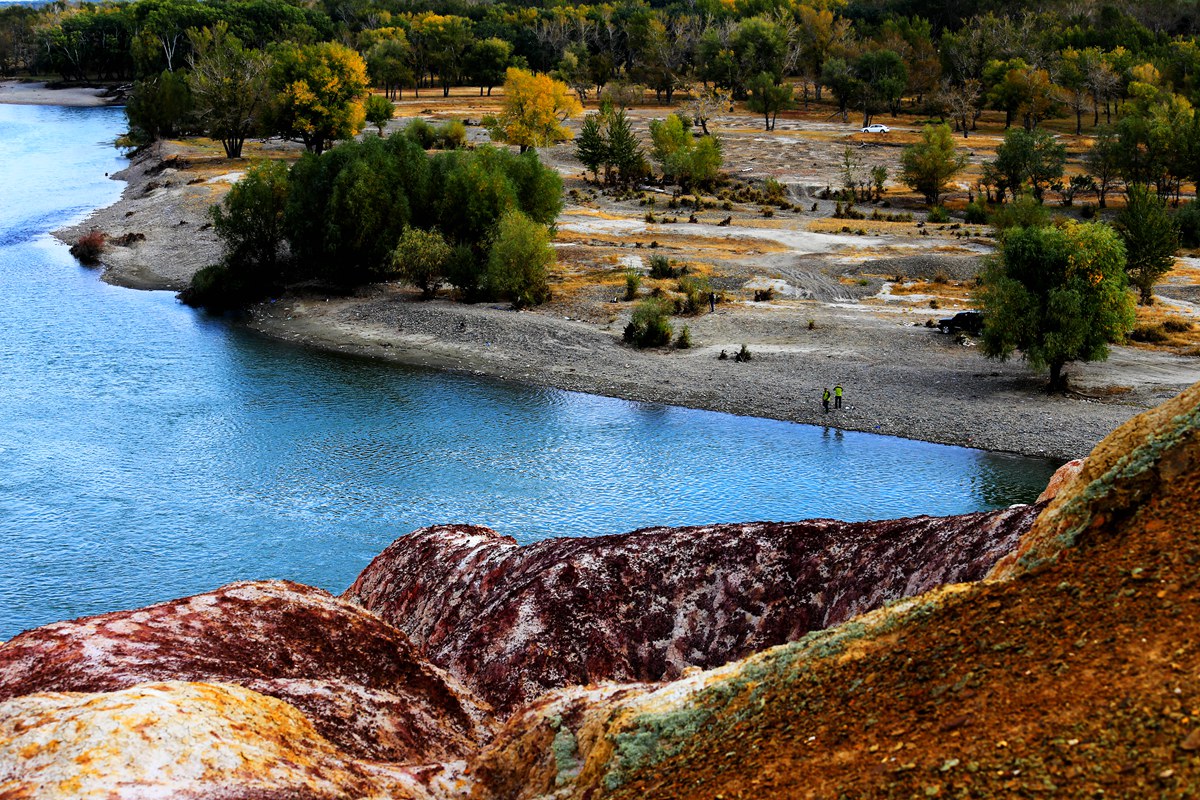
(876, 128)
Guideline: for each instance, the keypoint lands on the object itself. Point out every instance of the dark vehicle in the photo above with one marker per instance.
(969, 321)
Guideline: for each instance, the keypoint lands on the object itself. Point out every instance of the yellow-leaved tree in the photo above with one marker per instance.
(535, 106)
(319, 91)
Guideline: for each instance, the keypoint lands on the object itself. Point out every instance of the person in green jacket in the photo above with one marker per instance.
(825, 399)
(837, 396)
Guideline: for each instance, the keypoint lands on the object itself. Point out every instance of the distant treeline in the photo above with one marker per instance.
(873, 54)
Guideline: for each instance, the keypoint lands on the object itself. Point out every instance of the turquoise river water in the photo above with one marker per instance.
(148, 451)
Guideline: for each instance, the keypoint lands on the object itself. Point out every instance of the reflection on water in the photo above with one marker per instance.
(149, 452)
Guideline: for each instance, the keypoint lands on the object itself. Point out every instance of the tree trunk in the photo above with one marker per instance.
(1058, 378)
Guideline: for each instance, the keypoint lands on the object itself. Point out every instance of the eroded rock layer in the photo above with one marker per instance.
(1073, 673)
(513, 622)
(359, 680)
(176, 740)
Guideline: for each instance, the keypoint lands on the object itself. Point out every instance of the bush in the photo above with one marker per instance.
(1150, 334)
(89, 247)
(1024, 212)
(420, 258)
(633, 282)
(1087, 211)
(938, 214)
(684, 340)
(1188, 220)
(695, 295)
(451, 135)
(650, 324)
(1176, 325)
(422, 133)
(221, 288)
(975, 213)
(465, 272)
(661, 267)
(520, 260)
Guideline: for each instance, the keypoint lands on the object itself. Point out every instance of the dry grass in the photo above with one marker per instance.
(1166, 327)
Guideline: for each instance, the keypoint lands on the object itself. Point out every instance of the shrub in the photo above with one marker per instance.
(661, 267)
(451, 135)
(1087, 211)
(422, 133)
(1151, 334)
(975, 213)
(764, 295)
(1188, 220)
(520, 260)
(938, 214)
(1024, 212)
(1176, 325)
(649, 325)
(774, 191)
(695, 295)
(684, 340)
(465, 272)
(89, 247)
(743, 354)
(420, 258)
(220, 288)
(633, 281)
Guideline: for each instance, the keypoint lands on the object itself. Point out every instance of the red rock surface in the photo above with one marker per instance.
(513, 622)
(359, 680)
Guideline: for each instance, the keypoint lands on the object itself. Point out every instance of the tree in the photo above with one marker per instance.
(420, 258)
(882, 79)
(535, 106)
(159, 106)
(1057, 295)
(319, 91)
(249, 221)
(626, 160)
(378, 110)
(769, 98)
(591, 146)
(962, 100)
(228, 85)
(486, 62)
(928, 165)
(389, 64)
(839, 78)
(1032, 159)
(520, 260)
(684, 159)
(1102, 162)
(1151, 239)
(706, 102)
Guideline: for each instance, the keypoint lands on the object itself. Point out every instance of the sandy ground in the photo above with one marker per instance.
(38, 94)
(850, 303)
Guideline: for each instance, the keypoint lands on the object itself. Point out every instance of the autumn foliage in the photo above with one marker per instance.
(535, 106)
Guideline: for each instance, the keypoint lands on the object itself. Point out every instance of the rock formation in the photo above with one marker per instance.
(513, 622)
(177, 740)
(358, 679)
(1073, 672)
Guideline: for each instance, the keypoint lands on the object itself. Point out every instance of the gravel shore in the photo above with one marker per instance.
(900, 378)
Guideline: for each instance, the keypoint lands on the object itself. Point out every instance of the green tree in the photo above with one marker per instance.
(318, 93)
(591, 146)
(486, 62)
(228, 85)
(685, 160)
(1031, 159)
(420, 258)
(882, 79)
(1102, 162)
(378, 111)
(389, 63)
(929, 165)
(1151, 238)
(520, 260)
(159, 107)
(249, 221)
(626, 159)
(767, 97)
(1057, 295)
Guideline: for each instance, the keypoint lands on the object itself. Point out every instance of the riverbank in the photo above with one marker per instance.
(39, 93)
(826, 324)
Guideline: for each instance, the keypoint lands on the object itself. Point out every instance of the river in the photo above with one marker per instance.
(148, 451)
